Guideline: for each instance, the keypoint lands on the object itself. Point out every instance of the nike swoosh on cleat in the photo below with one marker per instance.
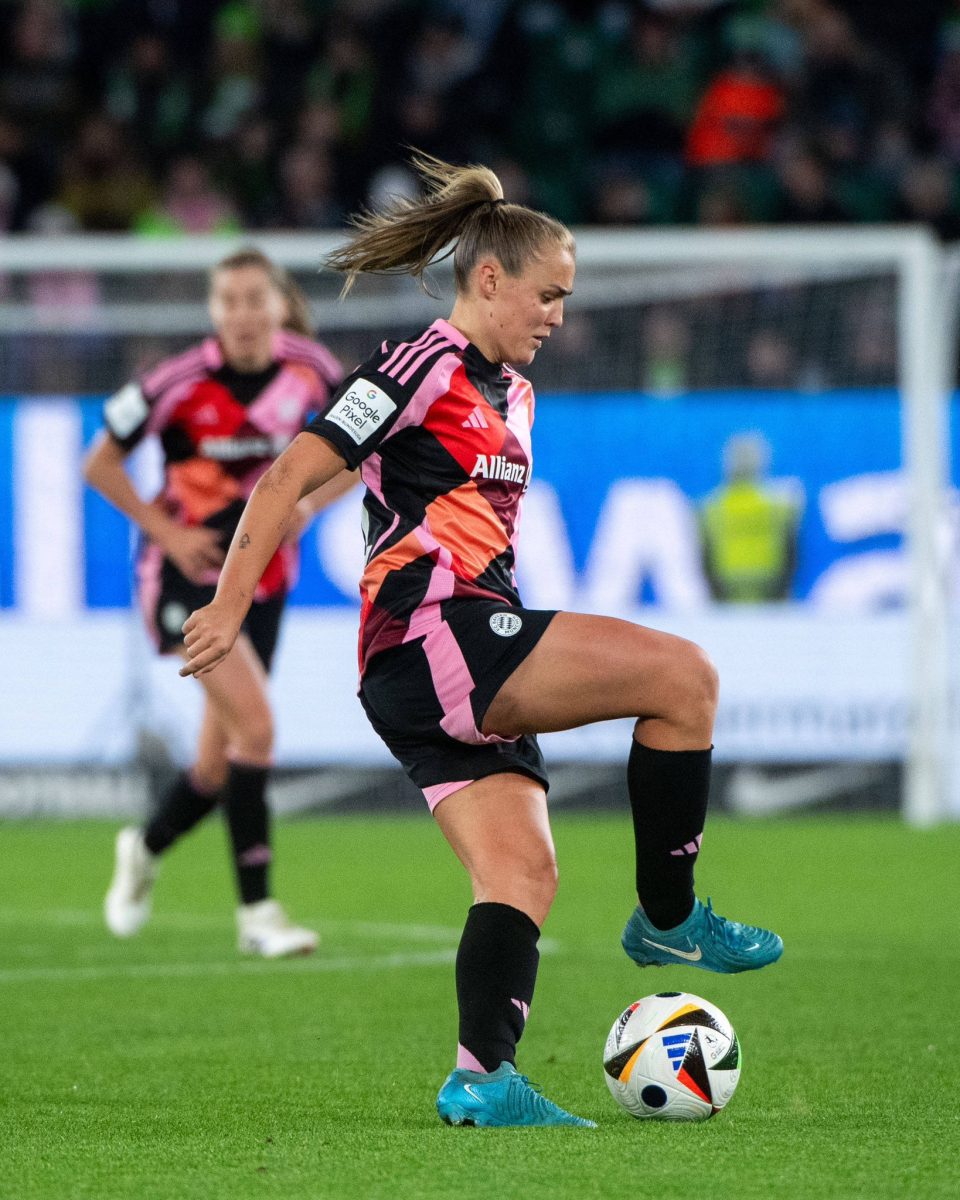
(469, 1090)
(690, 955)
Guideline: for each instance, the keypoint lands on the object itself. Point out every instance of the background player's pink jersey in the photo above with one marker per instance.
(220, 429)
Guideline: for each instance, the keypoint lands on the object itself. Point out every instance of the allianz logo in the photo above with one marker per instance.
(230, 449)
(497, 466)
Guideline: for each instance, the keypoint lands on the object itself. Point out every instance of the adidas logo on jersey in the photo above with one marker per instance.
(476, 420)
(496, 466)
(207, 415)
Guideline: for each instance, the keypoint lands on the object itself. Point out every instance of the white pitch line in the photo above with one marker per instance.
(202, 922)
(198, 922)
(377, 962)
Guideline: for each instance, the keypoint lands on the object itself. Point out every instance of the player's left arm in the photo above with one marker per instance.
(306, 465)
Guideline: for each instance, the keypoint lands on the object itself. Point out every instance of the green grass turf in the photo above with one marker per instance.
(168, 1067)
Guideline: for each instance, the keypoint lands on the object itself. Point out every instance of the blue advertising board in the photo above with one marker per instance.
(605, 467)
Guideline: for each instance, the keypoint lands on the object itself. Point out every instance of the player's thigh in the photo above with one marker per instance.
(237, 690)
(587, 668)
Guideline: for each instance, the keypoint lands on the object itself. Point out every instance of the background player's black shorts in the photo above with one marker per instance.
(427, 698)
(178, 598)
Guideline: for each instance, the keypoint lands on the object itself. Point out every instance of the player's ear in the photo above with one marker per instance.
(488, 273)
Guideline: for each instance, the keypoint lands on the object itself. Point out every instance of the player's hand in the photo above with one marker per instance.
(208, 637)
(194, 550)
(301, 517)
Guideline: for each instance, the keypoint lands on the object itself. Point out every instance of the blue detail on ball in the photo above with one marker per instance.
(676, 1046)
(653, 1096)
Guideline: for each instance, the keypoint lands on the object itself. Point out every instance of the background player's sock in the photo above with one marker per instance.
(496, 973)
(248, 821)
(183, 806)
(668, 796)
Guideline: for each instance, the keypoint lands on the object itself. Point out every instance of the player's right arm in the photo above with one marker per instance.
(307, 464)
(194, 549)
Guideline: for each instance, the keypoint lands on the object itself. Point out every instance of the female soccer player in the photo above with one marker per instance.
(456, 676)
(222, 411)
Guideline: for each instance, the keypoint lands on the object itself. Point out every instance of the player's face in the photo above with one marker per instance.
(246, 310)
(529, 307)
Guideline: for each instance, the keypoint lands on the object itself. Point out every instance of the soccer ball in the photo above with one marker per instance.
(672, 1057)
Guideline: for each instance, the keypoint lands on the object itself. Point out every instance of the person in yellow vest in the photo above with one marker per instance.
(748, 530)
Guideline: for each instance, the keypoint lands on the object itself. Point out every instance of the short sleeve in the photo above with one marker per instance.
(363, 410)
(126, 414)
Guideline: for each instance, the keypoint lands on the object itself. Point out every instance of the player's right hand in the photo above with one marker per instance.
(194, 550)
(208, 637)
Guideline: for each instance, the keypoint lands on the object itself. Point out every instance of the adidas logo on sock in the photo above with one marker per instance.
(476, 420)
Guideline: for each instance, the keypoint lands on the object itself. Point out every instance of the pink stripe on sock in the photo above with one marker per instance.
(690, 848)
(256, 856)
(524, 1008)
(467, 1062)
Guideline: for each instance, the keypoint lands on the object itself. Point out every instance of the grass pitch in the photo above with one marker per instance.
(166, 1066)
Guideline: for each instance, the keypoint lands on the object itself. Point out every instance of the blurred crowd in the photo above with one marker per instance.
(166, 116)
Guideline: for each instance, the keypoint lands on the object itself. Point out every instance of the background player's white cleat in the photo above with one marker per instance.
(127, 903)
(265, 929)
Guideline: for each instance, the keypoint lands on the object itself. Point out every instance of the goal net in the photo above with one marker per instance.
(741, 438)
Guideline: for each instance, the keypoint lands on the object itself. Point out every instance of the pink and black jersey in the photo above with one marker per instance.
(220, 429)
(443, 436)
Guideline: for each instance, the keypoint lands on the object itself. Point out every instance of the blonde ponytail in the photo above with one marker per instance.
(463, 212)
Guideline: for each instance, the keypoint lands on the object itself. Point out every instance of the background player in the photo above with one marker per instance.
(223, 411)
(457, 677)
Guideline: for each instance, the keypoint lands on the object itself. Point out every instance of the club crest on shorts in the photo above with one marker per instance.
(506, 624)
(173, 616)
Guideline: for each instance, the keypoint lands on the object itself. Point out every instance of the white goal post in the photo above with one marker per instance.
(617, 268)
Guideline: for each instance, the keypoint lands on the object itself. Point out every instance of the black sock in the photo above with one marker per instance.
(496, 973)
(668, 797)
(181, 808)
(248, 821)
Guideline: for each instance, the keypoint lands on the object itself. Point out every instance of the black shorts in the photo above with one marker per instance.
(427, 698)
(167, 598)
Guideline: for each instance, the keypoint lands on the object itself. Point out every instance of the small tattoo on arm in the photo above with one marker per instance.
(244, 542)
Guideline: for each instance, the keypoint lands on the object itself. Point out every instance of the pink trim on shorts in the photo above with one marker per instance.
(452, 680)
(148, 589)
(439, 791)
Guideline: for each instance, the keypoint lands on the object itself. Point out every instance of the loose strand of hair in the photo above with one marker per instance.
(409, 235)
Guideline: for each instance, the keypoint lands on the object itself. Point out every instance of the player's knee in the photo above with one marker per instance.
(539, 871)
(695, 688)
(705, 679)
(253, 740)
(527, 879)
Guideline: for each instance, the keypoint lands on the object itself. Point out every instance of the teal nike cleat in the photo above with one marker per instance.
(502, 1098)
(703, 940)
